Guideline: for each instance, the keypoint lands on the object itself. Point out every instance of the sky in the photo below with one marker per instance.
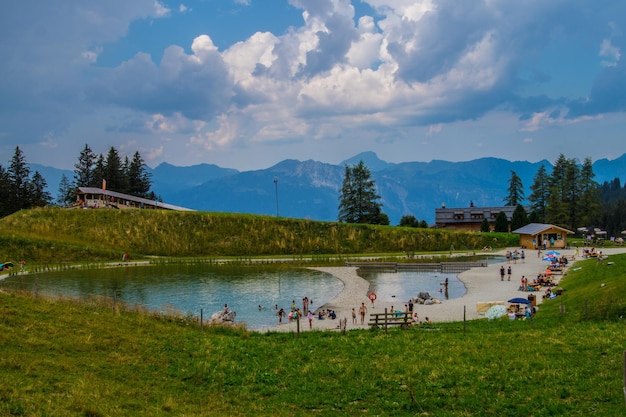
(245, 84)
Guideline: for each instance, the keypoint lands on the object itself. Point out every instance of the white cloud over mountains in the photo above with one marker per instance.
(410, 69)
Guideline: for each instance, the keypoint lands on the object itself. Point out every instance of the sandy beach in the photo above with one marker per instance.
(483, 284)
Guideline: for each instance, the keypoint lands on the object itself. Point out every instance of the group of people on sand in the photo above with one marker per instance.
(542, 280)
(514, 256)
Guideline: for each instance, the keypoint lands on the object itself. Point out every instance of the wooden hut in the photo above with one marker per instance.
(91, 197)
(542, 235)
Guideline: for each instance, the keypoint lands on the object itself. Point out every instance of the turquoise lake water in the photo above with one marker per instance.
(192, 288)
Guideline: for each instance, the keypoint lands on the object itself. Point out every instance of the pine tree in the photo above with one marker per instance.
(19, 183)
(589, 202)
(113, 171)
(84, 168)
(502, 223)
(516, 191)
(484, 226)
(38, 195)
(98, 173)
(562, 193)
(358, 199)
(139, 179)
(66, 193)
(539, 196)
(519, 218)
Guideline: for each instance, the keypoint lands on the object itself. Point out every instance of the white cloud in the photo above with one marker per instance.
(542, 120)
(161, 10)
(417, 65)
(225, 133)
(612, 53)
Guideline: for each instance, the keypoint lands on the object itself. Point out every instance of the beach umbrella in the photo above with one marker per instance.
(518, 300)
(549, 258)
(495, 311)
(553, 252)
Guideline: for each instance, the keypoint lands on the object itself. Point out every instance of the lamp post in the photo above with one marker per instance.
(276, 184)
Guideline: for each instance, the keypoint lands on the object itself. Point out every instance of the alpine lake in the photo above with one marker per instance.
(252, 291)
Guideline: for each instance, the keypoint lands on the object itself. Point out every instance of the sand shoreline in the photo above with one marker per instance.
(483, 284)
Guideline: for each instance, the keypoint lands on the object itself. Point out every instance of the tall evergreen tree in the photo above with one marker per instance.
(84, 168)
(359, 200)
(516, 193)
(589, 203)
(19, 182)
(66, 193)
(502, 223)
(39, 197)
(519, 217)
(114, 171)
(539, 195)
(99, 173)
(557, 209)
(139, 179)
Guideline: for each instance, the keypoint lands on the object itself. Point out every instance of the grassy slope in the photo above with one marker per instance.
(65, 358)
(53, 235)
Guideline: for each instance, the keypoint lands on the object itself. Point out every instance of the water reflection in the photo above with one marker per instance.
(190, 288)
(402, 286)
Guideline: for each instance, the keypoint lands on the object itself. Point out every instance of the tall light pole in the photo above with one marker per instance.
(276, 184)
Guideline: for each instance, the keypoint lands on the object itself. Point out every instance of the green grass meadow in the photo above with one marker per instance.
(54, 235)
(64, 357)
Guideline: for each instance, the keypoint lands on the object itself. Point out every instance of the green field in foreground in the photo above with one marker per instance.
(65, 358)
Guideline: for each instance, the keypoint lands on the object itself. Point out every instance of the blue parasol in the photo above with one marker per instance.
(518, 300)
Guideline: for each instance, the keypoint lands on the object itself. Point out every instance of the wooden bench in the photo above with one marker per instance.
(389, 319)
(556, 269)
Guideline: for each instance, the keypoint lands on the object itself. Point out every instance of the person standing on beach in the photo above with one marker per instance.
(353, 316)
(310, 317)
(362, 312)
(508, 274)
(502, 272)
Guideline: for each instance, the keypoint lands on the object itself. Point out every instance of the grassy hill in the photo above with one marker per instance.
(50, 235)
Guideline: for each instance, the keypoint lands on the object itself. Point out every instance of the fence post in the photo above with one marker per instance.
(385, 320)
(464, 318)
(298, 324)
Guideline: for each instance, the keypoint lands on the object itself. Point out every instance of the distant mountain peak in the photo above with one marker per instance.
(370, 159)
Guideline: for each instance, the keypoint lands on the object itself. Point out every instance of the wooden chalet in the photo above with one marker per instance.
(469, 218)
(536, 235)
(93, 197)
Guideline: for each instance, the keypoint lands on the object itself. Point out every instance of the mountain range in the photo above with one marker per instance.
(310, 189)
